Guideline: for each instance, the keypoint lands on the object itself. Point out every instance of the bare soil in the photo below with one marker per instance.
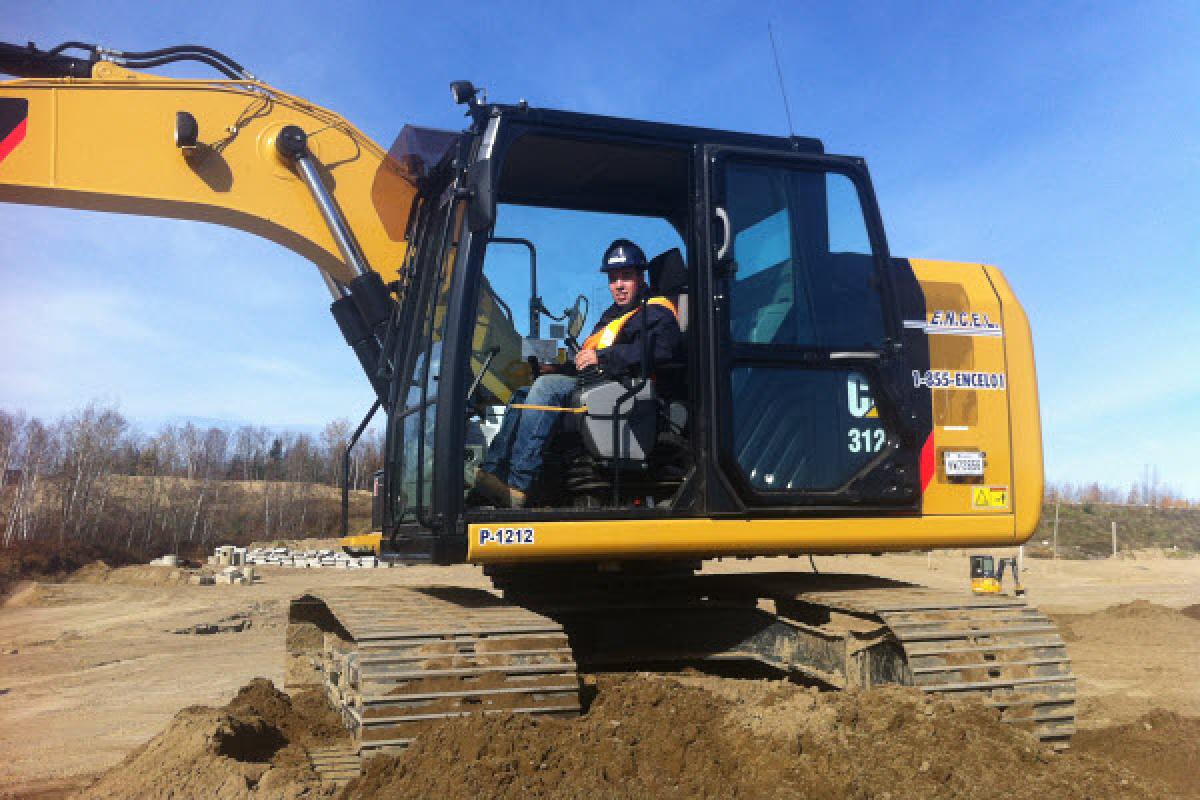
(254, 746)
(92, 677)
(649, 736)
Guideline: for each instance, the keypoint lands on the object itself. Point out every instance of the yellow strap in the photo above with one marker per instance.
(572, 410)
(608, 334)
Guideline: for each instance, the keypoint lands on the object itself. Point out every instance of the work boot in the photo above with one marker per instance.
(498, 491)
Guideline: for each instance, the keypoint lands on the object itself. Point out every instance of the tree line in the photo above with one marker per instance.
(1144, 492)
(91, 477)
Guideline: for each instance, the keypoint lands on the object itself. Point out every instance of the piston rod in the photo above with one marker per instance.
(292, 144)
(362, 308)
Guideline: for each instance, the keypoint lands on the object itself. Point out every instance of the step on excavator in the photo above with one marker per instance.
(828, 397)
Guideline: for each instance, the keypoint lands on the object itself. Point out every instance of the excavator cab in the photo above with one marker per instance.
(983, 575)
(791, 395)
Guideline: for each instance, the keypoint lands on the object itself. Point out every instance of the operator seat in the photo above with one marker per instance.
(621, 425)
(668, 277)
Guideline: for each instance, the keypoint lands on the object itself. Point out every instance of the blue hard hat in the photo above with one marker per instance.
(623, 254)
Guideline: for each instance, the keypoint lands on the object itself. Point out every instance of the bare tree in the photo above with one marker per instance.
(90, 478)
(334, 438)
(32, 453)
(90, 439)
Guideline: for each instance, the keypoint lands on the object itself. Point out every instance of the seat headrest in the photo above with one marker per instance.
(668, 273)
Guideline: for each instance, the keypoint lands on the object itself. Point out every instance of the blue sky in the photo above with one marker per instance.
(1058, 141)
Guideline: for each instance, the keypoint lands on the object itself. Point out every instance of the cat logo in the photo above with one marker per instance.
(859, 402)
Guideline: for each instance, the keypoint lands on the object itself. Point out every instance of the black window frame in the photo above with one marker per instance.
(423, 270)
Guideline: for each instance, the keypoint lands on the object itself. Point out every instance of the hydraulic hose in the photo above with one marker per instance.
(30, 62)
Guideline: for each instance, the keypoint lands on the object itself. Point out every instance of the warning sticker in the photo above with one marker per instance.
(989, 498)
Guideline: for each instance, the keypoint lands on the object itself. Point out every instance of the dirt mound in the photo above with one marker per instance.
(1126, 620)
(1162, 745)
(656, 737)
(32, 593)
(303, 720)
(53, 560)
(1139, 609)
(254, 747)
(137, 575)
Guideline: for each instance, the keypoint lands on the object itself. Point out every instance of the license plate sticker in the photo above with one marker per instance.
(963, 463)
(506, 536)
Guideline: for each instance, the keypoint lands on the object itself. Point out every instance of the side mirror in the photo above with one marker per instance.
(576, 316)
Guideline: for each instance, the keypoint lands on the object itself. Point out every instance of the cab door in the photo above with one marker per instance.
(808, 405)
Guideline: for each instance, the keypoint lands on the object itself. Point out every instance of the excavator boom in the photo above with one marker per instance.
(107, 143)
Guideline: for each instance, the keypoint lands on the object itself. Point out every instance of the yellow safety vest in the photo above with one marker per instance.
(608, 334)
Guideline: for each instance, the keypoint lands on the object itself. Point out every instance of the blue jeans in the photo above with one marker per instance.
(515, 454)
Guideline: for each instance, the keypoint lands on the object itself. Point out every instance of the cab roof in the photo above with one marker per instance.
(653, 131)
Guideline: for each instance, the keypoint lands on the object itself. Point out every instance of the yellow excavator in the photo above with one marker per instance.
(829, 397)
(987, 574)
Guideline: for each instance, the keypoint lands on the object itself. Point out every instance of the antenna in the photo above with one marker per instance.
(779, 72)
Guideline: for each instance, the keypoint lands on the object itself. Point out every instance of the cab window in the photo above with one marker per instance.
(804, 264)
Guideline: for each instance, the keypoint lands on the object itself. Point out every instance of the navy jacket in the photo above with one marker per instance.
(624, 355)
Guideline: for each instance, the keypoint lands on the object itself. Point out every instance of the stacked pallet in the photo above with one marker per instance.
(227, 556)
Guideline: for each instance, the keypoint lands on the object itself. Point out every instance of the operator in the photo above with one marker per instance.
(515, 455)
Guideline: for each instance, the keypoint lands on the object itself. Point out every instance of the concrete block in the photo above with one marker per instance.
(224, 578)
(201, 580)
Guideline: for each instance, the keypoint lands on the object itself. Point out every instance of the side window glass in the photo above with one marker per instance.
(805, 271)
(413, 448)
(847, 229)
(764, 292)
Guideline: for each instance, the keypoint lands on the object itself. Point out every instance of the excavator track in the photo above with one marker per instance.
(396, 660)
(1000, 649)
(845, 631)
(393, 661)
